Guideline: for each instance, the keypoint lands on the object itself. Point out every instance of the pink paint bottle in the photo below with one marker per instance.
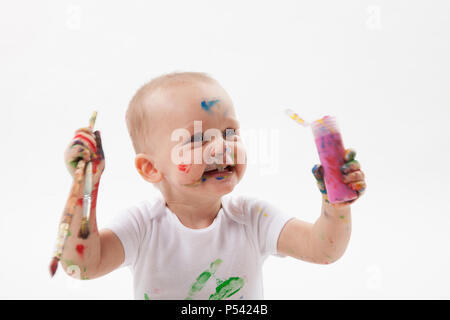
(331, 153)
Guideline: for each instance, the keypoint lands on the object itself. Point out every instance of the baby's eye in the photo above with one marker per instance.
(197, 140)
(229, 132)
(198, 137)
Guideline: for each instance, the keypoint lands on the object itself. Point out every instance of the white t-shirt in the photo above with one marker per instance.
(222, 261)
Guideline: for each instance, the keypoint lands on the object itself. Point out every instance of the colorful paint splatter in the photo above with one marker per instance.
(224, 289)
(80, 249)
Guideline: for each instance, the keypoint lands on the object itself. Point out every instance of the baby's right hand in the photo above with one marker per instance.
(85, 145)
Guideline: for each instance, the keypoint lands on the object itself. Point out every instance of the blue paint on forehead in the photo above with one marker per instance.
(207, 105)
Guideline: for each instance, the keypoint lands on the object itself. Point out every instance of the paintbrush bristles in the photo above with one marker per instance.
(84, 229)
(53, 266)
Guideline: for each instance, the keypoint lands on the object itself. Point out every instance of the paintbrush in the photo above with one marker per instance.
(84, 229)
(71, 203)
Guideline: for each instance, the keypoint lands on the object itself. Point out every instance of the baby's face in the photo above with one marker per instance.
(199, 150)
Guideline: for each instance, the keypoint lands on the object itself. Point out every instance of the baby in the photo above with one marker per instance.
(195, 240)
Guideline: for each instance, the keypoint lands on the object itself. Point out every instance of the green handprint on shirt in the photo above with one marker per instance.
(224, 289)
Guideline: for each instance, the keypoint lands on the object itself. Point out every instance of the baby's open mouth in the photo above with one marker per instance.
(218, 169)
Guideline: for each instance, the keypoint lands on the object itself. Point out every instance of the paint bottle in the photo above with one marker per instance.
(331, 153)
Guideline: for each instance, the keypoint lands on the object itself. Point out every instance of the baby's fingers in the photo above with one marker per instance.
(76, 153)
(353, 176)
(317, 171)
(98, 141)
(86, 136)
(349, 155)
(350, 166)
(359, 186)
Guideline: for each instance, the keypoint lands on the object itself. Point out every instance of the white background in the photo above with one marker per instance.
(381, 67)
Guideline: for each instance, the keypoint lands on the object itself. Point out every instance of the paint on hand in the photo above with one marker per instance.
(80, 249)
(74, 270)
(146, 296)
(358, 186)
(94, 198)
(350, 166)
(207, 105)
(92, 146)
(317, 171)
(349, 155)
(62, 235)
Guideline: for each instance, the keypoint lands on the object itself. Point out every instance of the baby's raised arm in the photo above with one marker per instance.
(100, 252)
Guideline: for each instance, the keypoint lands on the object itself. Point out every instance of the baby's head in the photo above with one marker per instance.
(183, 126)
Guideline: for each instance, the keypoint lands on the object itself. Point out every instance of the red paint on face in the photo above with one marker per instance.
(80, 249)
(184, 167)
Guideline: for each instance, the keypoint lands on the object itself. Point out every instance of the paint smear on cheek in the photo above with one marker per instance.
(184, 167)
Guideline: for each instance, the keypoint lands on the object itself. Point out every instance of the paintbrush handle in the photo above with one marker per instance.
(87, 189)
(86, 205)
(92, 120)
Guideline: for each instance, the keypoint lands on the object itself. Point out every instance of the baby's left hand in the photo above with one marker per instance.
(351, 175)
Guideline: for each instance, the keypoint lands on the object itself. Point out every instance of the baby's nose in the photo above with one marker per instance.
(218, 151)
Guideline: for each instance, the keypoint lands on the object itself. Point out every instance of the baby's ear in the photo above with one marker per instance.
(145, 166)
